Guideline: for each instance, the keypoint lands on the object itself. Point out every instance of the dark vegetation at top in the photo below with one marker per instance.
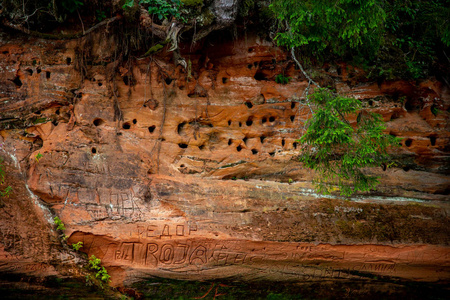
(390, 39)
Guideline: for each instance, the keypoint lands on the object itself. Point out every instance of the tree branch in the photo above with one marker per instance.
(59, 36)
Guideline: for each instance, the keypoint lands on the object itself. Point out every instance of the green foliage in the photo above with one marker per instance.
(338, 151)
(162, 9)
(101, 272)
(335, 26)
(192, 3)
(6, 192)
(59, 224)
(392, 38)
(100, 15)
(77, 246)
(71, 5)
(38, 156)
(281, 79)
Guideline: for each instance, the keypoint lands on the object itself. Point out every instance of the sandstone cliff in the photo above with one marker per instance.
(193, 173)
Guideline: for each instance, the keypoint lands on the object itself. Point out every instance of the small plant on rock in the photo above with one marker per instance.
(59, 224)
(281, 79)
(101, 272)
(77, 246)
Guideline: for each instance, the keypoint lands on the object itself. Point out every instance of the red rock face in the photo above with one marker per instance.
(200, 179)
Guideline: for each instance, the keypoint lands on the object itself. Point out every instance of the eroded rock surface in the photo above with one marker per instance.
(193, 174)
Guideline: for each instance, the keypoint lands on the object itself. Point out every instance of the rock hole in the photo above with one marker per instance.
(47, 74)
(182, 145)
(272, 119)
(250, 50)
(262, 138)
(55, 122)
(38, 70)
(168, 80)
(29, 71)
(263, 120)
(260, 76)
(384, 167)
(239, 148)
(224, 80)
(272, 154)
(180, 127)
(134, 121)
(100, 84)
(249, 121)
(201, 147)
(68, 60)
(229, 122)
(292, 118)
(406, 168)
(339, 70)
(151, 128)
(57, 112)
(245, 140)
(181, 166)
(17, 82)
(295, 144)
(93, 150)
(125, 80)
(98, 122)
(249, 104)
(292, 105)
(240, 124)
(433, 140)
(408, 142)
(274, 61)
(254, 151)
(230, 141)
(126, 125)
(255, 63)
(93, 79)
(250, 66)
(152, 104)
(5, 52)
(395, 115)
(370, 103)
(283, 142)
